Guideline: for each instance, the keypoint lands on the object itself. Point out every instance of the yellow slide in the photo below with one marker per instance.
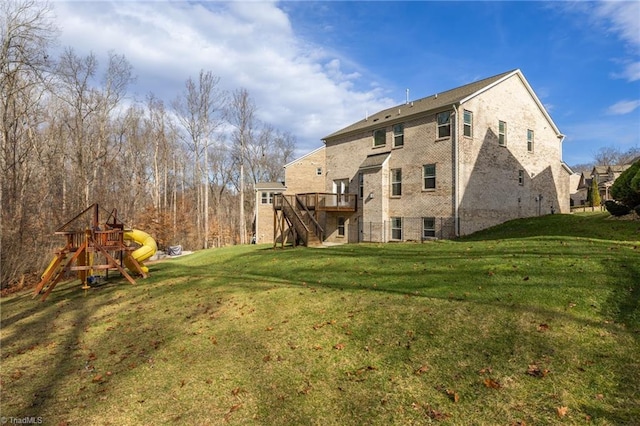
(147, 248)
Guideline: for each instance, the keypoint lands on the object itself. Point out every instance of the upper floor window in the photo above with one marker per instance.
(398, 135)
(520, 177)
(502, 133)
(468, 123)
(429, 176)
(379, 137)
(266, 198)
(396, 182)
(361, 184)
(396, 228)
(444, 124)
(530, 140)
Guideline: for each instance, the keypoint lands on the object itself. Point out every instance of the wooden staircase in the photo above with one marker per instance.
(306, 229)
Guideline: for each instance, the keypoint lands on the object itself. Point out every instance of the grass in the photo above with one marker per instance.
(536, 321)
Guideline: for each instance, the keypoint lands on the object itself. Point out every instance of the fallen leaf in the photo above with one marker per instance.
(536, 371)
(486, 370)
(97, 378)
(543, 327)
(599, 396)
(490, 383)
(339, 346)
(453, 395)
(525, 279)
(562, 411)
(422, 369)
(269, 329)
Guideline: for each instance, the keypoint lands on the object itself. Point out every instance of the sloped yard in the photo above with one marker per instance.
(533, 322)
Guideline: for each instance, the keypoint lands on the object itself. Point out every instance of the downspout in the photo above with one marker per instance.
(456, 172)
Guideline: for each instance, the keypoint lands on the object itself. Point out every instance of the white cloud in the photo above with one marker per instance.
(623, 107)
(297, 86)
(623, 18)
(631, 72)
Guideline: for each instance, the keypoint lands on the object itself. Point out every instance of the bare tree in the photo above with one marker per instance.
(27, 31)
(241, 115)
(199, 111)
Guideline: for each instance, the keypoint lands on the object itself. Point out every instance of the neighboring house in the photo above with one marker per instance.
(605, 176)
(439, 167)
(579, 189)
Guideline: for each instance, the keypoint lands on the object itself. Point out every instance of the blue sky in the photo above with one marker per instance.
(315, 67)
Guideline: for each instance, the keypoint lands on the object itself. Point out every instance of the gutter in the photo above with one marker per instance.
(456, 172)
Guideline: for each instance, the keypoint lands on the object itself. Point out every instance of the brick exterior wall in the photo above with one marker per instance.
(492, 190)
(264, 213)
(302, 176)
(489, 173)
(496, 183)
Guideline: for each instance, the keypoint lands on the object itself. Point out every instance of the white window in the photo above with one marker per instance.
(429, 176)
(341, 226)
(398, 135)
(530, 140)
(379, 137)
(468, 123)
(396, 228)
(266, 198)
(428, 227)
(502, 133)
(444, 124)
(396, 182)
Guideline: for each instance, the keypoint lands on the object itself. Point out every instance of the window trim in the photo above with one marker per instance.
(502, 132)
(521, 177)
(375, 139)
(396, 182)
(466, 113)
(361, 184)
(431, 229)
(446, 124)
(398, 135)
(266, 197)
(393, 221)
(341, 228)
(530, 140)
(425, 177)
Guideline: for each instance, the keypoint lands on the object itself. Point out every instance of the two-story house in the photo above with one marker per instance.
(442, 166)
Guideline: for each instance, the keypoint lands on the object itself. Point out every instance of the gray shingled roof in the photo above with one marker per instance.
(430, 103)
(374, 161)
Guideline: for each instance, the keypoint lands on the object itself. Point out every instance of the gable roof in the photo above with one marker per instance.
(304, 156)
(438, 101)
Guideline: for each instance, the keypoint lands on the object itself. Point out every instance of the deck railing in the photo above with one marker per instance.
(329, 201)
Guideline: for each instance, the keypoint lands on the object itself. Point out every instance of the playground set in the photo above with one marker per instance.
(94, 247)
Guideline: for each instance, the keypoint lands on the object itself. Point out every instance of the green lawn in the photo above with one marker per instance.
(533, 322)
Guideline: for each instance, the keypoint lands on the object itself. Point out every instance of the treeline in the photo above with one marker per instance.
(72, 136)
(608, 156)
